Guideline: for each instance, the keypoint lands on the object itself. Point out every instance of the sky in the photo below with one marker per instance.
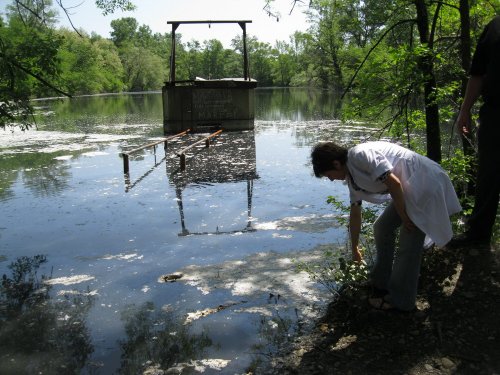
(156, 13)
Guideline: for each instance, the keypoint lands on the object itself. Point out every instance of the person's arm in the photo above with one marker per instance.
(472, 93)
(396, 190)
(354, 230)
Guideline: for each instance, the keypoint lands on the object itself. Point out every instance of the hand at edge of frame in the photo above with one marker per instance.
(356, 255)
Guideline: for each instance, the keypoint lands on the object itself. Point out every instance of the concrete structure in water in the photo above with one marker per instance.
(197, 104)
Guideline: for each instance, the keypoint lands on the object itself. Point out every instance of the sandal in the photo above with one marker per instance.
(380, 303)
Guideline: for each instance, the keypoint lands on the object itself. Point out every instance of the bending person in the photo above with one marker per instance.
(421, 199)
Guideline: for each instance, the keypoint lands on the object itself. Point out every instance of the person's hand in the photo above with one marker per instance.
(463, 123)
(407, 223)
(356, 255)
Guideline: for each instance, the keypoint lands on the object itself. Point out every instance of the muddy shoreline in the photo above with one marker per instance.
(455, 329)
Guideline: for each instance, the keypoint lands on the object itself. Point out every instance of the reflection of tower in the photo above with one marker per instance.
(231, 158)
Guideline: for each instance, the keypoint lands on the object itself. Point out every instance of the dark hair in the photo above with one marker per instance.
(324, 154)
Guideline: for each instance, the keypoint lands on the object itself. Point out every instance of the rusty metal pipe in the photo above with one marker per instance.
(183, 151)
(125, 155)
(182, 154)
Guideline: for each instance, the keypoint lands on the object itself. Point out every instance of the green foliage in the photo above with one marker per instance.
(35, 13)
(124, 30)
(457, 167)
(369, 215)
(36, 60)
(460, 168)
(88, 65)
(372, 48)
(211, 57)
(109, 6)
(28, 58)
(334, 272)
(143, 70)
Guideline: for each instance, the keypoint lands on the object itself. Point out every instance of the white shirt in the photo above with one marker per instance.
(429, 195)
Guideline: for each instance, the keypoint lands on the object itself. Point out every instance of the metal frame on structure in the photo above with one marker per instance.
(175, 25)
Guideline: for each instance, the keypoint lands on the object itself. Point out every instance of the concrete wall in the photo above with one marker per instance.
(225, 103)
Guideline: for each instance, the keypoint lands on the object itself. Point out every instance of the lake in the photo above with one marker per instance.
(189, 270)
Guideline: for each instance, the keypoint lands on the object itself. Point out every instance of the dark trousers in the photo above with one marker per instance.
(485, 209)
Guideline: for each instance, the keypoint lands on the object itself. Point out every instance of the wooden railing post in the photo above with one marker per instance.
(183, 162)
(125, 163)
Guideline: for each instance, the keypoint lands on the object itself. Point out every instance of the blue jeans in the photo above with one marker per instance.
(397, 271)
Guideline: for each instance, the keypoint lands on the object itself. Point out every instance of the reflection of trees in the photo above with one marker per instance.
(44, 177)
(85, 114)
(156, 338)
(7, 179)
(296, 104)
(48, 181)
(37, 334)
(275, 332)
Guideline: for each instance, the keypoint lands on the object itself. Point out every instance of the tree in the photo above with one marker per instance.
(29, 64)
(410, 62)
(426, 31)
(109, 65)
(124, 30)
(284, 64)
(28, 61)
(303, 52)
(190, 60)
(260, 58)
(109, 6)
(35, 13)
(213, 59)
(89, 66)
(143, 70)
(328, 41)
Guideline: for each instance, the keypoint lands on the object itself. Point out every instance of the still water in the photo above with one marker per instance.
(86, 251)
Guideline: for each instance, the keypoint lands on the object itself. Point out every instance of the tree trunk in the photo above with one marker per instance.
(465, 54)
(430, 89)
(465, 40)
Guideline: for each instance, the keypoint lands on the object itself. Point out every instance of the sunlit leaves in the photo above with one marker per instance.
(110, 6)
(28, 61)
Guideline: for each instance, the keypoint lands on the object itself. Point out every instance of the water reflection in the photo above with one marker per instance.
(276, 331)
(45, 176)
(129, 183)
(296, 104)
(116, 114)
(39, 334)
(232, 158)
(89, 219)
(157, 340)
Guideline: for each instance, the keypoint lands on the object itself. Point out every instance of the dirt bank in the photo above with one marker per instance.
(456, 329)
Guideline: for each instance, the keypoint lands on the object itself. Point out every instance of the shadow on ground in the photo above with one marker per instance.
(456, 328)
